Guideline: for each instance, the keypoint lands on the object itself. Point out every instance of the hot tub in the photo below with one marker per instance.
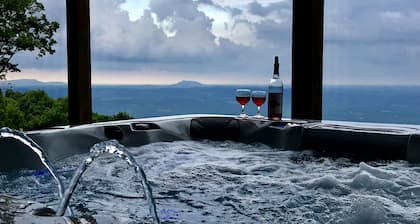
(349, 139)
(255, 171)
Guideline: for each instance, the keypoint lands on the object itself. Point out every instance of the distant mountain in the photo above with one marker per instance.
(34, 82)
(187, 84)
(28, 82)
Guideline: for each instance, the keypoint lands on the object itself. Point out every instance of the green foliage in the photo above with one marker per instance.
(119, 116)
(23, 27)
(13, 94)
(36, 110)
(10, 113)
(57, 114)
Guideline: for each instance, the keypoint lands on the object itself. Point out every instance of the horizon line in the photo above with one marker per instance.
(205, 84)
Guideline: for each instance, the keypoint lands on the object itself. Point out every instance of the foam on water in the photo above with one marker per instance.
(227, 182)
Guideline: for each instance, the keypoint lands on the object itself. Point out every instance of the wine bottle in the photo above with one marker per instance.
(275, 94)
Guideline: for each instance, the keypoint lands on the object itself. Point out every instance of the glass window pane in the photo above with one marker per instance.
(221, 44)
(372, 61)
(30, 98)
(49, 68)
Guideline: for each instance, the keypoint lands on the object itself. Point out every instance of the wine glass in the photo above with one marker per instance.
(243, 96)
(258, 97)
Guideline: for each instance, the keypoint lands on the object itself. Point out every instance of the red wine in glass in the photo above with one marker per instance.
(258, 97)
(242, 99)
(243, 96)
(258, 100)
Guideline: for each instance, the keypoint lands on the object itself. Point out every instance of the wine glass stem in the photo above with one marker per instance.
(258, 110)
(243, 109)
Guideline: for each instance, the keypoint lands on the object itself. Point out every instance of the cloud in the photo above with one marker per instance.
(367, 22)
(231, 10)
(365, 41)
(55, 10)
(372, 41)
(277, 8)
(148, 39)
(175, 37)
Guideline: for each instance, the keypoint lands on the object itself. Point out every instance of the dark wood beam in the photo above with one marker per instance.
(79, 64)
(307, 52)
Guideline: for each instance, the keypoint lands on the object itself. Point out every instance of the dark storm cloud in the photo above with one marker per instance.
(207, 2)
(276, 7)
(233, 11)
(273, 32)
(273, 27)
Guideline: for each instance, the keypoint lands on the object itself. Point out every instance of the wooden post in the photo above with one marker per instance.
(79, 62)
(307, 53)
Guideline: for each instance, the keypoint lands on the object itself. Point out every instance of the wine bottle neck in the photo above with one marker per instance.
(276, 67)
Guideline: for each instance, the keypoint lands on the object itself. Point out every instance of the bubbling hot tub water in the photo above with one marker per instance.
(228, 182)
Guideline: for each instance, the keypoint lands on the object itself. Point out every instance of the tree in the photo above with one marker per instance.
(34, 109)
(10, 114)
(23, 27)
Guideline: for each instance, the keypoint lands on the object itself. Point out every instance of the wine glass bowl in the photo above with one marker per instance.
(243, 96)
(258, 97)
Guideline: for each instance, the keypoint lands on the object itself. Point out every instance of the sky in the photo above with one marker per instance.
(234, 42)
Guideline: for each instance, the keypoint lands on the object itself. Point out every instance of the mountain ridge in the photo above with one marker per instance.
(187, 84)
(28, 82)
(35, 82)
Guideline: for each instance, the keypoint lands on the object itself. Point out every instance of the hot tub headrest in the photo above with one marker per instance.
(113, 132)
(215, 128)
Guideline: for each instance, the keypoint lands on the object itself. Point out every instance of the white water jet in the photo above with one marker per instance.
(111, 147)
(23, 138)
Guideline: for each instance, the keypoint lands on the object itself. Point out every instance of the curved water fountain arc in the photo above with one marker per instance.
(111, 147)
(23, 138)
